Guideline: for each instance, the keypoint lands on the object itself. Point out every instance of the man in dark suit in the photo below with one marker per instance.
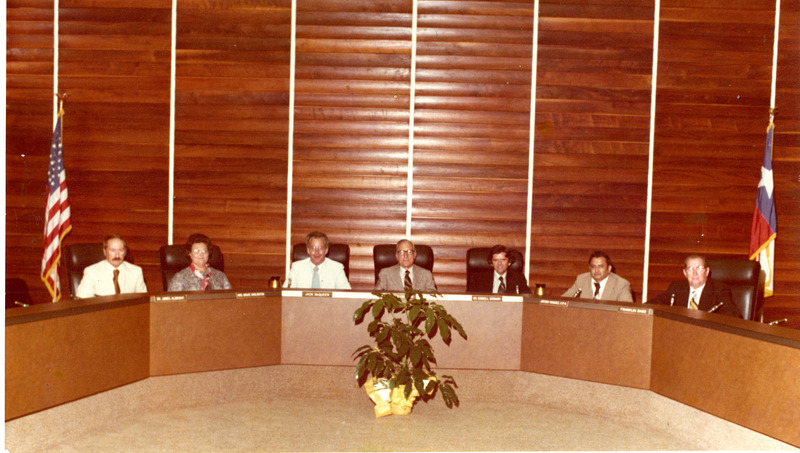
(599, 282)
(504, 279)
(698, 291)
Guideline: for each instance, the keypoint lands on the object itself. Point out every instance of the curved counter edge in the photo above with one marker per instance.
(742, 371)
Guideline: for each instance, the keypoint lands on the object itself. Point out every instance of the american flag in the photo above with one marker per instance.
(57, 219)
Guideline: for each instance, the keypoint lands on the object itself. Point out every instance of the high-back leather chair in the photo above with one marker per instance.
(479, 269)
(384, 255)
(77, 257)
(17, 294)
(336, 252)
(744, 278)
(174, 259)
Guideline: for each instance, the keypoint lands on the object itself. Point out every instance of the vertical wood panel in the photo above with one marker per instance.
(231, 132)
(29, 128)
(591, 147)
(711, 116)
(351, 125)
(114, 63)
(472, 126)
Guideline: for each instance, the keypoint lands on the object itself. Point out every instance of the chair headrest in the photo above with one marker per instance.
(384, 255)
(174, 257)
(477, 258)
(732, 270)
(336, 252)
(78, 256)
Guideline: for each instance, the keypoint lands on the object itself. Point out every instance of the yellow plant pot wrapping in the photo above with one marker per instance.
(387, 403)
(401, 405)
(378, 392)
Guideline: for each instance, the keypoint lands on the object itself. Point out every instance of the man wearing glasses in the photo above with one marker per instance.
(317, 271)
(405, 274)
(698, 291)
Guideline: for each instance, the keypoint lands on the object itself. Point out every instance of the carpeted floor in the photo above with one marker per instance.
(298, 408)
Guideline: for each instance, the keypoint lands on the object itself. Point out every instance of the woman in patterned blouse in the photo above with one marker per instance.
(199, 276)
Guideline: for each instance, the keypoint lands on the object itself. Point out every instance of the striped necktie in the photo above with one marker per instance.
(692, 303)
(407, 281)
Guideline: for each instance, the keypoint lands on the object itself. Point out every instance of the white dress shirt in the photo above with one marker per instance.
(695, 294)
(331, 275)
(98, 280)
(602, 287)
(496, 281)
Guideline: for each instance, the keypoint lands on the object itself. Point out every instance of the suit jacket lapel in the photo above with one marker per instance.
(708, 298)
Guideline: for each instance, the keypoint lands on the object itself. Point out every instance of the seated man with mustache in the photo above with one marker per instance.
(113, 275)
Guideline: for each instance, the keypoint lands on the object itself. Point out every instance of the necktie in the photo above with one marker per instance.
(116, 282)
(315, 278)
(692, 303)
(407, 281)
(502, 287)
(596, 290)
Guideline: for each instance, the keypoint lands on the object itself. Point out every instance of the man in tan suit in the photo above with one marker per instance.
(599, 282)
(405, 274)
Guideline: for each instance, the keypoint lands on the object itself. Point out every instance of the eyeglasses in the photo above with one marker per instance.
(695, 268)
(317, 248)
(200, 252)
(406, 252)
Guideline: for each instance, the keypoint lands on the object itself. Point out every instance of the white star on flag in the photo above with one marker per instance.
(766, 181)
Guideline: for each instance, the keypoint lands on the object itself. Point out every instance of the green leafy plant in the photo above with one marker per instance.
(402, 353)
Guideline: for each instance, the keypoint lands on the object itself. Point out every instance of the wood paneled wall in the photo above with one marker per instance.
(231, 132)
(712, 110)
(351, 125)
(471, 130)
(114, 64)
(591, 143)
(362, 74)
(29, 128)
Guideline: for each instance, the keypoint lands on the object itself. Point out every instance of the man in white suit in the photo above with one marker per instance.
(113, 275)
(317, 271)
(599, 282)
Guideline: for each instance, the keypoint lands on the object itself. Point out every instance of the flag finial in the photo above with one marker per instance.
(62, 98)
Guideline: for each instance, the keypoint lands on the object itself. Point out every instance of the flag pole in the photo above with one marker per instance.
(764, 229)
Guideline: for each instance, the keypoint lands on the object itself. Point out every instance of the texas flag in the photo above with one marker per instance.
(764, 228)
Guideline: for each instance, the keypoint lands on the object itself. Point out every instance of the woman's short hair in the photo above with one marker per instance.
(198, 238)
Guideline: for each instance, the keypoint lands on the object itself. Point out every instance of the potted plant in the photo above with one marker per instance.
(400, 362)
